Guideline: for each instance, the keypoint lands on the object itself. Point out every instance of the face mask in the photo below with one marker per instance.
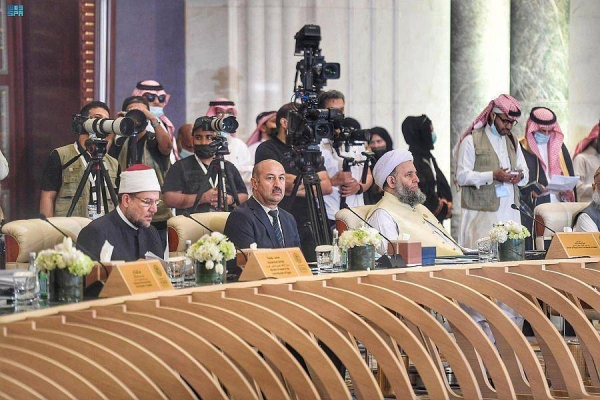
(378, 153)
(184, 153)
(204, 151)
(157, 111)
(540, 138)
(433, 137)
(495, 131)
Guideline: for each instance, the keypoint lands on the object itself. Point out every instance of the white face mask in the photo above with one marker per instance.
(157, 111)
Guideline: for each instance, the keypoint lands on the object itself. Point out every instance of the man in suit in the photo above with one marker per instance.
(259, 220)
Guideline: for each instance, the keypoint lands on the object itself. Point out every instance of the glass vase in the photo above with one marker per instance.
(511, 250)
(361, 258)
(206, 276)
(64, 287)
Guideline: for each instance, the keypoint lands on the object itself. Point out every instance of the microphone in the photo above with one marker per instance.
(524, 211)
(82, 249)
(387, 261)
(188, 215)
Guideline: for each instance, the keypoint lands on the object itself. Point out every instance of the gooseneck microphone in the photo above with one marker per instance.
(188, 215)
(523, 211)
(77, 245)
(388, 261)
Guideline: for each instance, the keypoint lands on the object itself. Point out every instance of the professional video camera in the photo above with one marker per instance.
(102, 127)
(308, 124)
(215, 124)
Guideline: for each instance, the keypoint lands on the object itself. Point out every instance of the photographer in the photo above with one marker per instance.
(190, 176)
(346, 184)
(59, 185)
(277, 149)
(152, 146)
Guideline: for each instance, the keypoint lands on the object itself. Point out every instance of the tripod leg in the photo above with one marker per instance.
(233, 189)
(107, 183)
(82, 183)
(323, 219)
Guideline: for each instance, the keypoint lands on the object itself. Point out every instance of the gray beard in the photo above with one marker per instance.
(408, 196)
(596, 199)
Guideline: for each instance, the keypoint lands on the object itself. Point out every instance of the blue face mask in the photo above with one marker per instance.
(157, 111)
(495, 131)
(433, 137)
(184, 153)
(540, 138)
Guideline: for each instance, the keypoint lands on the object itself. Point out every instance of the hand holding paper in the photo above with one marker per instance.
(560, 183)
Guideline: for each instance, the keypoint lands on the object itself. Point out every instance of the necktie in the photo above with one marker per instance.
(274, 214)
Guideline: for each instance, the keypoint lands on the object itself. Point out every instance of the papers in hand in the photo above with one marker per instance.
(560, 183)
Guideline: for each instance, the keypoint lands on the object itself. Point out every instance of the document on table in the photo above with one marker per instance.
(560, 183)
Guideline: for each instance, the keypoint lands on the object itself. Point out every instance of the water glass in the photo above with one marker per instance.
(484, 249)
(175, 268)
(324, 259)
(189, 274)
(25, 283)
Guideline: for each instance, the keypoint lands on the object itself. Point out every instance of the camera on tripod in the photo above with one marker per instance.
(102, 127)
(308, 124)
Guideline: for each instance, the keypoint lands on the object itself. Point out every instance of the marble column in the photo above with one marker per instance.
(479, 68)
(539, 52)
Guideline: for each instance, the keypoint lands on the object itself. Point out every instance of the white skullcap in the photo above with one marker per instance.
(386, 164)
(139, 178)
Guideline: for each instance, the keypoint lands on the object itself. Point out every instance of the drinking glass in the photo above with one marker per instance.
(484, 249)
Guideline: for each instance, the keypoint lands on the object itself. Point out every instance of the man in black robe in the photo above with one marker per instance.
(127, 228)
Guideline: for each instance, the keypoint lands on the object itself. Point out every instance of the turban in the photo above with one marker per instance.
(388, 162)
(221, 102)
(585, 142)
(139, 178)
(545, 117)
(504, 104)
(260, 121)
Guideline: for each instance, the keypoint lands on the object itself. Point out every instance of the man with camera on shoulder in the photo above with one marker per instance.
(150, 144)
(65, 168)
(196, 176)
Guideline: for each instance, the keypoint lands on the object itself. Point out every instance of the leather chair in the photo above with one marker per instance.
(555, 216)
(181, 228)
(34, 235)
(345, 219)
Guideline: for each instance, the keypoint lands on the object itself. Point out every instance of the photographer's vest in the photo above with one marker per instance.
(164, 212)
(71, 176)
(486, 159)
(412, 221)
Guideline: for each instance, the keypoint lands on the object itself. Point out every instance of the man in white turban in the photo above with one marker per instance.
(127, 228)
(400, 212)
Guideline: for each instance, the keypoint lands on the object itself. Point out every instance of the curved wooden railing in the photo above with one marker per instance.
(274, 338)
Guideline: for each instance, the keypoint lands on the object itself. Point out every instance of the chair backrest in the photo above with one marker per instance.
(181, 228)
(555, 216)
(345, 219)
(34, 235)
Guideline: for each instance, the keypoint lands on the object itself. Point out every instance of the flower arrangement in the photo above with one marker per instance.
(362, 236)
(64, 256)
(212, 249)
(511, 230)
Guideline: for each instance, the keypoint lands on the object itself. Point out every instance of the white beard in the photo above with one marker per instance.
(596, 199)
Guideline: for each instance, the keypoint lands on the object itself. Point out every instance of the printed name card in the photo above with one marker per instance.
(141, 276)
(275, 263)
(574, 244)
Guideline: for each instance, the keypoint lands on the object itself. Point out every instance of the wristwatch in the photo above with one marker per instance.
(154, 125)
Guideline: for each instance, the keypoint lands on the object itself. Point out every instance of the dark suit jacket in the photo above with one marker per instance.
(249, 224)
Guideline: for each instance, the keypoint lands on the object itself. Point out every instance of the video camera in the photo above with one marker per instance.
(309, 124)
(102, 127)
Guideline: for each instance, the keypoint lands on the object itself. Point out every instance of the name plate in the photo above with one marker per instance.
(141, 276)
(574, 244)
(275, 263)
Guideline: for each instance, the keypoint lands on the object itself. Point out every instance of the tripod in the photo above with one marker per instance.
(306, 162)
(217, 169)
(100, 176)
(349, 162)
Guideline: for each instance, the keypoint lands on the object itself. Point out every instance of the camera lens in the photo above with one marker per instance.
(228, 124)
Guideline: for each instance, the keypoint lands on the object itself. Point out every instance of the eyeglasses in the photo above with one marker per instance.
(152, 96)
(149, 202)
(507, 121)
(221, 114)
